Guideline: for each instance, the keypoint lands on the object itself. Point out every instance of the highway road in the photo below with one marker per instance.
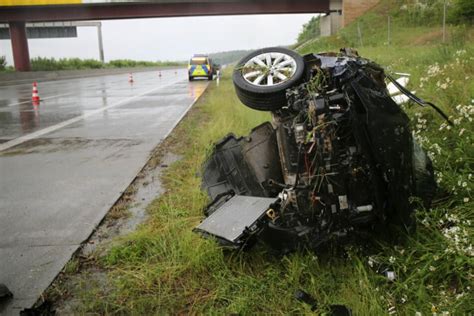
(64, 163)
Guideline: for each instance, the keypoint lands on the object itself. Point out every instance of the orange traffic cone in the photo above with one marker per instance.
(130, 78)
(35, 96)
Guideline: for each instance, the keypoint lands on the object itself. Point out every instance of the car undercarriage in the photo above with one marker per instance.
(337, 161)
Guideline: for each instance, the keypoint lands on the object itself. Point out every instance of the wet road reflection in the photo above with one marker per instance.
(196, 88)
(62, 100)
(29, 117)
(65, 162)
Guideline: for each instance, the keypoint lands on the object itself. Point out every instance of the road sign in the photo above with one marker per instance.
(42, 32)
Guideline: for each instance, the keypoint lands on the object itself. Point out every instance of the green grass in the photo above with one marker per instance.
(52, 64)
(165, 268)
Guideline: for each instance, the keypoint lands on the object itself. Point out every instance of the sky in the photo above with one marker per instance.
(170, 38)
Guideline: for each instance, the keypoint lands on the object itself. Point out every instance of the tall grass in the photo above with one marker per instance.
(165, 268)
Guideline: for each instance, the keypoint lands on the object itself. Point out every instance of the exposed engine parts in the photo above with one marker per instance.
(337, 160)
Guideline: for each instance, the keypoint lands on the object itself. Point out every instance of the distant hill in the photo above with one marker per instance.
(229, 56)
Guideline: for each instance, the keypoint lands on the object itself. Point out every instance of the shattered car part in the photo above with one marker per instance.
(418, 100)
(390, 275)
(335, 310)
(5, 296)
(5, 292)
(338, 158)
(237, 219)
(244, 164)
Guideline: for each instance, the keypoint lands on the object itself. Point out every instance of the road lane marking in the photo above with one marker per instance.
(41, 99)
(50, 129)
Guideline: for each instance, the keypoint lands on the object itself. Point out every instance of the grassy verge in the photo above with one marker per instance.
(436, 265)
(164, 268)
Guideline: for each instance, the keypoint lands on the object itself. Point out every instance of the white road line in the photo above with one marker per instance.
(46, 98)
(53, 128)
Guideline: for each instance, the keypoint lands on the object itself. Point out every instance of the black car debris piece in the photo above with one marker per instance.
(338, 159)
(5, 292)
(335, 310)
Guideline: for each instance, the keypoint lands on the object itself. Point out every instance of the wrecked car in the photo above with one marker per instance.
(337, 160)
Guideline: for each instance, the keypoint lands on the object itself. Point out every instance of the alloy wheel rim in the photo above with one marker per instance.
(269, 69)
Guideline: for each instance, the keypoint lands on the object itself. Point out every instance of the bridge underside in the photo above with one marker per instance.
(17, 16)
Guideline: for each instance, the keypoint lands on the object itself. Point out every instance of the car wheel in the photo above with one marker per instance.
(209, 77)
(262, 77)
(191, 78)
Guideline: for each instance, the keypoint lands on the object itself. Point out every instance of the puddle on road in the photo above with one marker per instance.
(148, 189)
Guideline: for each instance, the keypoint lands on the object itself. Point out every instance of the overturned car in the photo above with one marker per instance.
(337, 161)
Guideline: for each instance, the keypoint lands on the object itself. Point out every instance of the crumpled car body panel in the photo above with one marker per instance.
(243, 164)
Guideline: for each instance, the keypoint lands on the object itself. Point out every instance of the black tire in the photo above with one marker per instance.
(209, 77)
(190, 78)
(266, 98)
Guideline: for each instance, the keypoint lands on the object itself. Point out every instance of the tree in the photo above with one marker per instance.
(3, 62)
(310, 30)
(464, 11)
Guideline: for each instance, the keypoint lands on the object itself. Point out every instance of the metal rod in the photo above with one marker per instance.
(101, 45)
(444, 22)
(360, 34)
(388, 29)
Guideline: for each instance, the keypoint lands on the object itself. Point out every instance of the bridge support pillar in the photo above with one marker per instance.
(21, 55)
(330, 24)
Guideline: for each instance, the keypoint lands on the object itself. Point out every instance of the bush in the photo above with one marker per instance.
(123, 63)
(423, 12)
(310, 30)
(463, 12)
(52, 64)
(430, 12)
(3, 62)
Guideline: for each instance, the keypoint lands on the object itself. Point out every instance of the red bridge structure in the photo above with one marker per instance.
(76, 10)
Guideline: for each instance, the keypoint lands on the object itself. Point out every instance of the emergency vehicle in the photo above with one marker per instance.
(200, 66)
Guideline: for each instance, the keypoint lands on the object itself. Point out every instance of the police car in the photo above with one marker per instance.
(200, 66)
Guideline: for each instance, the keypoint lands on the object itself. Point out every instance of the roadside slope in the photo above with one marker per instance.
(164, 268)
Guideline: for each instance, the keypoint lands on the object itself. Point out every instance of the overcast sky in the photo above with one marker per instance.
(171, 38)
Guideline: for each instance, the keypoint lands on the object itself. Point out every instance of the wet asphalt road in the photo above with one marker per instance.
(64, 163)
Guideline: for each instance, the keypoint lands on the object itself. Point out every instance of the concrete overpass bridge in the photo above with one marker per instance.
(17, 12)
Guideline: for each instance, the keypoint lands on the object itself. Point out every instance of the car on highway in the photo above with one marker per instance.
(201, 66)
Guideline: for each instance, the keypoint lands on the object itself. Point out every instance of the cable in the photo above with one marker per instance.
(418, 100)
